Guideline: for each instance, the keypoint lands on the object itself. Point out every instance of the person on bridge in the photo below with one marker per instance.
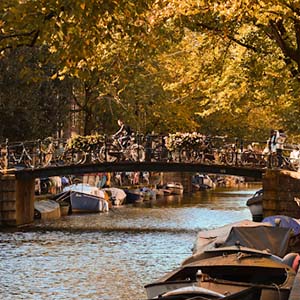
(123, 134)
(280, 140)
(271, 146)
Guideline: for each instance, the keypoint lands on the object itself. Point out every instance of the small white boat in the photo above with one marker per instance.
(147, 194)
(255, 204)
(116, 195)
(175, 188)
(46, 209)
(202, 182)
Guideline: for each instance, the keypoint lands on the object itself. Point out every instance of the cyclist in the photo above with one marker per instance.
(123, 134)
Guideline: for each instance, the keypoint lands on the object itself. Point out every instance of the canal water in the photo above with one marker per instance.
(111, 256)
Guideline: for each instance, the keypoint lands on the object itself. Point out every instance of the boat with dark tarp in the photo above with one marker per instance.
(259, 257)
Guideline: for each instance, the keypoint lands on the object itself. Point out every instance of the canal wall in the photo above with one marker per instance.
(16, 201)
(281, 193)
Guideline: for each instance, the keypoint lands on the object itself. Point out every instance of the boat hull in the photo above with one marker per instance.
(238, 263)
(132, 196)
(255, 204)
(47, 209)
(84, 203)
(234, 271)
(175, 188)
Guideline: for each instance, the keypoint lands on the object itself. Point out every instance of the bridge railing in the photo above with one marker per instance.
(152, 148)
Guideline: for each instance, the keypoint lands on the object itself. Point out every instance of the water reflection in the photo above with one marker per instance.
(112, 255)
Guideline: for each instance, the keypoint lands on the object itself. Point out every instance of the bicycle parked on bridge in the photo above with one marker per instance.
(156, 149)
(21, 155)
(287, 162)
(58, 152)
(112, 150)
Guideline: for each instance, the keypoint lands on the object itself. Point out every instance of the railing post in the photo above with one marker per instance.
(236, 151)
(40, 154)
(6, 158)
(138, 142)
(242, 145)
(241, 150)
(148, 147)
(105, 147)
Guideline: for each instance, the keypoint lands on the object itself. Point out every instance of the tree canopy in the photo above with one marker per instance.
(168, 65)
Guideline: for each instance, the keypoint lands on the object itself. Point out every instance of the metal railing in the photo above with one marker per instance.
(151, 148)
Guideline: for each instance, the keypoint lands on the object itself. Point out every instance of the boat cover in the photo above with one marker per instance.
(274, 240)
(211, 239)
(285, 221)
(86, 189)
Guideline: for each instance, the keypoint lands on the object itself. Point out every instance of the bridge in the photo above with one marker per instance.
(22, 162)
(130, 166)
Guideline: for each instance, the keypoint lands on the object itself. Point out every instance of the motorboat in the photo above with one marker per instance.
(229, 271)
(132, 195)
(202, 182)
(46, 209)
(250, 257)
(255, 204)
(284, 221)
(197, 293)
(147, 194)
(117, 196)
(83, 198)
(175, 188)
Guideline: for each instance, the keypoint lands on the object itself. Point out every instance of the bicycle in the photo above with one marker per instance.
(59, 152)
(18, 155)
(287, 163)
(112, 150)
(252, 158)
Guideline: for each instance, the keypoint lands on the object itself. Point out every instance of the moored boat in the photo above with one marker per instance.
(117, 196)
(202, 182)
(175, 188)
(249, 257)
(84, 203)
(83, 198)
(197, 293)
(147, 194)
(256, 206)
(132, 195)
(284, 221)
(46, 209)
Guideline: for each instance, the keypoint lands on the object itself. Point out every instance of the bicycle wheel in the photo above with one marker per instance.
(28, 162)
(229, 157)
(160, 153)
(184, 155)
(189, 155)
(71, 157)
(105, 154)
(196, 156)
(137, 152)
(46, 159)
(247, 158)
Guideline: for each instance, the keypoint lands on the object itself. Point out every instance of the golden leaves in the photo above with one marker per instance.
(82, 5)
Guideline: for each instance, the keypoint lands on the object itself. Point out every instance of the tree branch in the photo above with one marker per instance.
(229, 36)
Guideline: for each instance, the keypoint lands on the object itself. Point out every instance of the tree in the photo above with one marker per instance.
(203, 65)
(31, 105)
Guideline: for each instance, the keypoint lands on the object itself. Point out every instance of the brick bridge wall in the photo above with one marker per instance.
(281, 190)
(16, 201)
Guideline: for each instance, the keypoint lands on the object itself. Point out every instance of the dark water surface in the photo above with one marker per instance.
(111, 256)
